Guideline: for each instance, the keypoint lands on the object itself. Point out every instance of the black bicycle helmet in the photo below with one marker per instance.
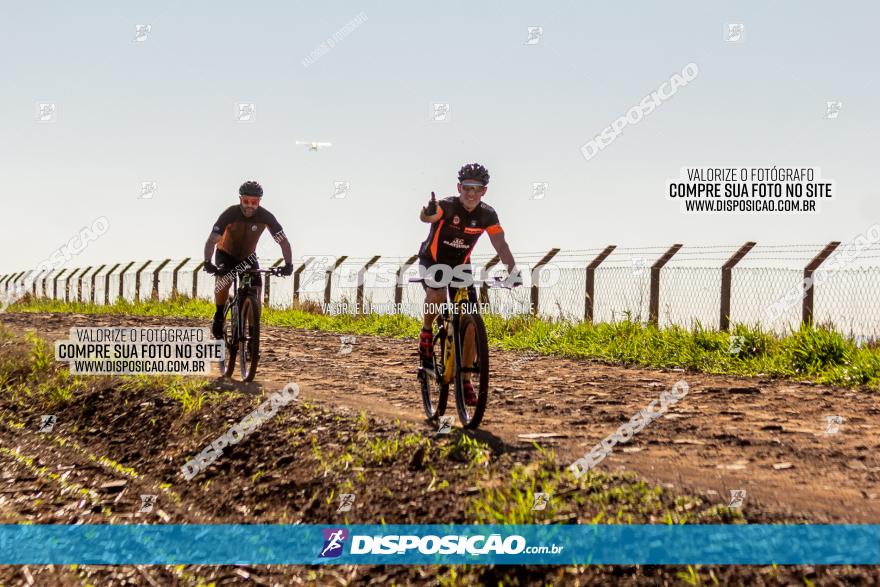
(474, 171)
(251, 188)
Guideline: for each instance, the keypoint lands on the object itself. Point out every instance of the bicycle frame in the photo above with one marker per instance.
(451, 322)
(241, 286)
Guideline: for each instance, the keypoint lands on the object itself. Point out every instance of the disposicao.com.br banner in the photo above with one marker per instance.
(439, 544)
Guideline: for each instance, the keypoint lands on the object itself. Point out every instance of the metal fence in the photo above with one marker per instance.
(714, 285)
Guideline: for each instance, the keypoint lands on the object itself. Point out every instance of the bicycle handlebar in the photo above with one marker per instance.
(276, 271)
(498, 282)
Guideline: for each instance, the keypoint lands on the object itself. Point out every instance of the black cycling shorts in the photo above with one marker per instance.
(229, 263)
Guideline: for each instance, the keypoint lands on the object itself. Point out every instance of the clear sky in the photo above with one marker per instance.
(164, 109)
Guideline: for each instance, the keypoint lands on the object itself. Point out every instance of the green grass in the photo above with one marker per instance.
(190, 392)
(597, 498)
(809, 353)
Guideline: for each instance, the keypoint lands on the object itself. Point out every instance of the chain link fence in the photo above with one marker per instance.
(666, 285)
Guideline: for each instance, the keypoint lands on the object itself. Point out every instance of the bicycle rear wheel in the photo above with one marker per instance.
(231, 337)
(249, 347)
(471, 325)
(435, 393)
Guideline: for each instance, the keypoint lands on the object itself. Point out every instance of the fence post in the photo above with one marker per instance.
(398, 287)
(107, 284)
(45, 277)
(5, 282)
(55, 283)
(536, 277)
(296, 275)
(27, 275)
(654, 304)
(329, 272)
(359, 297)
(17, 278)
(137, 281)
(484, 287)
(174, 277)
(79, 284)
(94, 274)
(590, 282)
(196, 279)
(807, 312)
(70, 276)
(154, 294)
(33, 282)
(726, 276)
(266, 284)
(14, 281)
(122, 278)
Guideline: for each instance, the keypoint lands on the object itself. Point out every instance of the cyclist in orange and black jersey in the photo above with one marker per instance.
(456, 225)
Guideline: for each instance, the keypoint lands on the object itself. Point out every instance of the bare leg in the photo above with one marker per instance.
(432, 297)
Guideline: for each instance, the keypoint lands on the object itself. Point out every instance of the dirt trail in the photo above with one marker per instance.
(765, 436)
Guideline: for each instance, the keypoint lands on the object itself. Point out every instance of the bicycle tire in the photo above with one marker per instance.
(481, 362)
(231, 337)
(435, 409)
(249, 347)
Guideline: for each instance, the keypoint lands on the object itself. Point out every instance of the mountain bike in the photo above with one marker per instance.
(459, 331)
(242, 314)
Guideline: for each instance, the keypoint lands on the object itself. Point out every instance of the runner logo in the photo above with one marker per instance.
(737, 497)
(445, 426)
(541, 501)
(147, 503)
(334, 539)
(735, 344)
(47, 423)
(833, 424)
(346, 500)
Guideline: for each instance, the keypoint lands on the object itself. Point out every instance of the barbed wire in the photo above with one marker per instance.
(688, 292)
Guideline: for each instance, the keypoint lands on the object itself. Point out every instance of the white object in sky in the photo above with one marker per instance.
(314, 146)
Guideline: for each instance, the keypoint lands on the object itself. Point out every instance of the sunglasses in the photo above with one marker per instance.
(475, 187)
(250, 201)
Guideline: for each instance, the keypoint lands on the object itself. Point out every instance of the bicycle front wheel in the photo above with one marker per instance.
(249, 346)
(435, 392)
(231, 336)
(474, 366)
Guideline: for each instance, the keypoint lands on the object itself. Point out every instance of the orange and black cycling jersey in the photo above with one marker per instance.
(239, 234)
(454, 235)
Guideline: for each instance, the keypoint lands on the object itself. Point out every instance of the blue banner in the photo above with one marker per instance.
(439, 544)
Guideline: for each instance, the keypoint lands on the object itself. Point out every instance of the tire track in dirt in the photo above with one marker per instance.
(765, 436)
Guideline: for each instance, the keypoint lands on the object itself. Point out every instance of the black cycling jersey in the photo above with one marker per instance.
(453, 237)
(239, 234)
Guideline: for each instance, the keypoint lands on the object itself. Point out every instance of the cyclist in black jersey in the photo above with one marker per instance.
(235, 234)
(456, 225)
